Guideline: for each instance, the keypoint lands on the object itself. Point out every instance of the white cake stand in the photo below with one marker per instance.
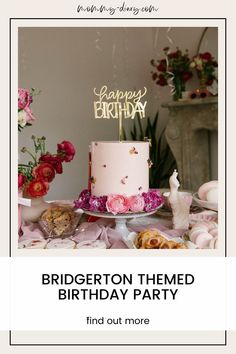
(121, 219)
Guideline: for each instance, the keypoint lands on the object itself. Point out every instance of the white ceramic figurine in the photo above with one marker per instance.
(180, 204)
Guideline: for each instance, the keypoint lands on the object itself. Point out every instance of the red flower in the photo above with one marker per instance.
(37, 188)
(21, 180)
(162, 65)
(186, 75)
(44, 171)
(55, 161)
(173, 55)
(162, 80)
(206, 56)
(66, 150)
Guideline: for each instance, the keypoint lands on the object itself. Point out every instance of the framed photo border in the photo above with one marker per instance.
(224, 344)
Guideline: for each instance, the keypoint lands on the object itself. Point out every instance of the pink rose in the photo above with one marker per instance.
(29, 114)
(117, 204)
(24, 98)
(136, 203)
(66, 150)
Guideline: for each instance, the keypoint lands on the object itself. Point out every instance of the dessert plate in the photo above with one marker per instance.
(204, 203)
(129, 240)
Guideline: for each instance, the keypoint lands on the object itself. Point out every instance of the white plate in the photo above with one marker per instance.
(129, 240)
(204, 203)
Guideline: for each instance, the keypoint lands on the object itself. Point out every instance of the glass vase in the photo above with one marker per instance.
(179, 87)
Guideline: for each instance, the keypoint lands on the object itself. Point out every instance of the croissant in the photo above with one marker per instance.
(152, 239)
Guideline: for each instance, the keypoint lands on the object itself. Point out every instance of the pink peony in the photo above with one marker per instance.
(66, 150)
(24, 98)
(136, 203)
(117, 204)
(29, 114)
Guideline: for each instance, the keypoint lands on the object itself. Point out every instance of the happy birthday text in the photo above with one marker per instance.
(119, 104)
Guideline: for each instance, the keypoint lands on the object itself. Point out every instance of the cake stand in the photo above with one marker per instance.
(121, 219)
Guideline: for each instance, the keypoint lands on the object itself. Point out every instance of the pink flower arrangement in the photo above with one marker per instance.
(119, 204)
(25, 114)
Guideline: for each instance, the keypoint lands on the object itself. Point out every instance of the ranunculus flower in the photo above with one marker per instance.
(66, 150)
(21, 180)
(117, 204)
(55, 161)
(136, 203)
(22, 118)
(24, 98)
(44, 171)
(37, 188)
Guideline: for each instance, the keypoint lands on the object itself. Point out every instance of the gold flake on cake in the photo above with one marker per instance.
(92, 180)
(150, 163)
(123, 180)
(133, 151)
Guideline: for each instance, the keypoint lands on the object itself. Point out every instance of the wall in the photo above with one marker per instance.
(67, 63)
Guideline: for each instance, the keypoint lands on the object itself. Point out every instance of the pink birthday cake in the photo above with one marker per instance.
(119, 179)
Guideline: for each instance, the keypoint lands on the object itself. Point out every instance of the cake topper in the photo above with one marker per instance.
(119, 104)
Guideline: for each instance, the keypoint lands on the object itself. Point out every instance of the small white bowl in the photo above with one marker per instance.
(204, 203)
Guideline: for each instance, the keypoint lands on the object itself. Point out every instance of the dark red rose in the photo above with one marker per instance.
(186, 75)
(66, 150)
(206, 56)
(21, 180)
(44, 171)
(37, 188)
(173, 55)
(162, 65)
(55, 161)
(162, 80)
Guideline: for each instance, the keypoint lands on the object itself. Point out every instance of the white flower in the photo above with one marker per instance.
(192, 64)
(22, 120)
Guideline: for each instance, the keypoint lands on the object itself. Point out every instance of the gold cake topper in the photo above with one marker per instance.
(119, 104)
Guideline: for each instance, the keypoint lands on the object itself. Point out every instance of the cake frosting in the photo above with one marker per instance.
(119, 179)
(119, 167)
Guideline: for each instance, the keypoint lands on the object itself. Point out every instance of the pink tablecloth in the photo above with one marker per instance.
(102, 229)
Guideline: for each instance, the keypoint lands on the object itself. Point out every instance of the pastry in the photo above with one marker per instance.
(152, 239)
(59, 221)
(61, 243)
(30, 244)
(92, 244)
